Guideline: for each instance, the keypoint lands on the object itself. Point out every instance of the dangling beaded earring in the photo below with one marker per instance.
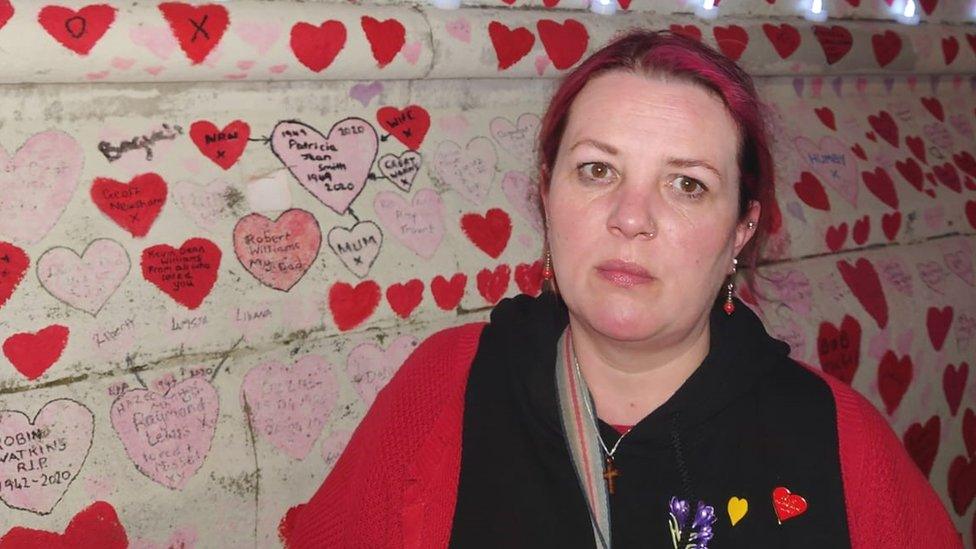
(547, 267)
(729, 306)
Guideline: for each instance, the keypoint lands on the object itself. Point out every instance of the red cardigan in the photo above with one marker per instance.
(396, 483)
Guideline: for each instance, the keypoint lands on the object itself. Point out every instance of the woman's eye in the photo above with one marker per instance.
(686, 185)
(595, 171)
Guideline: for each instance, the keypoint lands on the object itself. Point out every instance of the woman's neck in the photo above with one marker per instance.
(629, 380)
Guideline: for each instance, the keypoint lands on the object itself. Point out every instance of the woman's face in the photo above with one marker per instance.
(643, 207)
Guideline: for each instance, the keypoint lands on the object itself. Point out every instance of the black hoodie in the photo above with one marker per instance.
(747, 421)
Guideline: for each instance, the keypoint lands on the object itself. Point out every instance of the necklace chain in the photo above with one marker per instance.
(586, 402)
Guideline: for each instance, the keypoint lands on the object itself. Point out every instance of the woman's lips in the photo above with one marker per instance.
(624, 273)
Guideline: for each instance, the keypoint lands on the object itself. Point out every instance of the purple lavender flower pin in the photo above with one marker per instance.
(700, 532)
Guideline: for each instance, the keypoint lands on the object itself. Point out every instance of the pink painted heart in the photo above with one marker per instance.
(938, 134)
(418, 225)
(933, 275)
(278, 253)
(460, 29)
(364, 93)
(158, 40)
(896, 275)
(209, 206)
(401, 170)
(36, 185)
(523, 194)
(411, 52)
(455, 125)
(357, 247)
(333, 168)
(470, 171)
(517, 139)
(168, 436)
(833, 163)
(122, 63)
(333, 446)
(260, 35)
(370, 367)
(87, 281)
(43, 455)
(542, 62)
(960, 262)
(793, 288)
(289, 404)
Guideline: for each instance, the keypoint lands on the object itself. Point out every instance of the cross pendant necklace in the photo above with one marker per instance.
(610, 473)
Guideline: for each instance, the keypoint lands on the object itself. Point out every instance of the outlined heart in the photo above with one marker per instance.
(787, 504)
(835, 41)
(64, 423)
(94, 526)
(404, 298)
(370, 367)
(32, 353)
(864, 283)
(352, 305)
(307, 388)
(492, 285)
(565, 42)
(171, 456)
(448, 294)
(511, 45)
(135, 205)
(471, 170)
(489, 232)
(223, 147)
(80, 30)
(86, 281)
(419, 224)
(401, 170)
(784, 37)
(894, 376)
(922, 443)
(278, 252)
(316, 47)
(839, 349)
(333, 168)
(13, 266)
(386, 38)
(197, 28)
(186, 274)
(953, 383)
(36, 184)
(356, 247)
(409, 125)
(938, 322)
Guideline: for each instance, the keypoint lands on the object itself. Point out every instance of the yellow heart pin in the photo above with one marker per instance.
(738, 507)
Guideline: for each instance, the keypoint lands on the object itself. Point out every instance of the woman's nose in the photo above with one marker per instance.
(631, 213)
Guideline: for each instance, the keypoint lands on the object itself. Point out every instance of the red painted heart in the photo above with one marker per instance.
(811, 192)
(950, 49)
(511, 45)
(33, 353)
(492, 285)
(938, 322)
(135, 205)
(864, 283)
(80, 30)
(934, 106)
(862, 230)
(787, 504)
(186, 274)
(732, 40)
(859, 151)
(966, 162)
(316, 47)
(409, 125)
(922, 443)
(839, 349)
(490, 232)
(447, 294)
(224, 146)
(836, 236)
(912, 172)
(386, 38)
(564, 43)
(13, 266)
(785, 39)
(881, 185)
(95, 527)
(528, 277)
(953, 383)
(835, 41)
(198, 29)
(886, 46)
(886, 127)
(826, 116)
(917, 146)
(890, 224)
(688, 31)
(894, 377)
(6, 12)
(962, 483)
(404, 298)
(351, 306)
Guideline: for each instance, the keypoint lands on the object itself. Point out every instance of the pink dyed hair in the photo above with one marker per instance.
(670, 54)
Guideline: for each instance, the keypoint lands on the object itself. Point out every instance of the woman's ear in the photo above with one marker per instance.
(747, 226)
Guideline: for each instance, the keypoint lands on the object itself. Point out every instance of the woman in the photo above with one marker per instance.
(640, 405)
